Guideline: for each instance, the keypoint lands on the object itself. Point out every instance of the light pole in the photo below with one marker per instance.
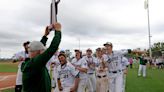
(149, 34)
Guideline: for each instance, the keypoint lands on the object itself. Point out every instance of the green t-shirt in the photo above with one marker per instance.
(35, 75)
(143, 61)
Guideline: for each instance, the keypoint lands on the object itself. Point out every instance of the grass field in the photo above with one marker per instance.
(8, 90)
(8, 67)
(154, 82)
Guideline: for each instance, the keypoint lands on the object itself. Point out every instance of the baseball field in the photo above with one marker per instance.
(154, 82)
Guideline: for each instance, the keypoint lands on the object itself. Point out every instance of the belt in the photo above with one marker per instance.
(115, 71)
(90, 73)
(101, 76)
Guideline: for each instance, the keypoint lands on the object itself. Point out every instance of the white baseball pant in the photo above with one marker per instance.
(102, 84)
(66, 89)
(92, 80)
(55, 78)
(124, 83)
(115, 82)
(142, 68)
(83, 85)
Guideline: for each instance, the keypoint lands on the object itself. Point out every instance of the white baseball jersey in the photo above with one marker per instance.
(90, 60)
(67, 74)
(99, 60)
(54, 59)
(17, 56)
(123, 52)
(124, 62)
(114, 61)
(21, 54)
(81, 63)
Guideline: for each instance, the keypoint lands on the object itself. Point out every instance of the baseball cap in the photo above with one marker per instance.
(103, 48)
(77, 50)
(62, 51)
(108, 43)
(26, 43)
(62, 54)
(89, 50)
(36, 45)
(98, 49)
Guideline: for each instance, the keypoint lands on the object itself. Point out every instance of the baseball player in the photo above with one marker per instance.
(101, 72)
(52, 69)
(91, 61)
(115, 73)
(103, 50)
(54, 64)
(125, 64)
(142, 66)
(68, 76)
(81, 65)
(20, 56)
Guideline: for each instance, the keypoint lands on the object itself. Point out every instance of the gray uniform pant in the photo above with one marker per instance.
(115, 82)
(91, 83)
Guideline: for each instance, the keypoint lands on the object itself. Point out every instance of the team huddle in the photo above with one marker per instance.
(103, 72)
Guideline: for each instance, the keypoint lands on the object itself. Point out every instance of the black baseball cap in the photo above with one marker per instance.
(108, 43)
(77, 50)
(26, 43)
(98, 49)
(89, 50)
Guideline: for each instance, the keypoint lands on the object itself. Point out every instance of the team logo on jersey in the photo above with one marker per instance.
(114, 58)
(85, 64)
(109, 60)
(63, 73)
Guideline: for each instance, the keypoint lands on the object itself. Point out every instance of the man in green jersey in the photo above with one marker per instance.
(142, 66)
(35, 75)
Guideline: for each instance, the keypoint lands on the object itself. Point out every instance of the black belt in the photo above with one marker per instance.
(90, 73)
(102, 76)
(115, 71)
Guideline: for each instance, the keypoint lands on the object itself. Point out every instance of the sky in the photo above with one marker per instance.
(85, 23)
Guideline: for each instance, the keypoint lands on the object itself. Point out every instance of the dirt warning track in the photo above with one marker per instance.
(7, 80)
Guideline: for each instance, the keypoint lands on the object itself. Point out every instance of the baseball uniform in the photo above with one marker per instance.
(142, 66)
(115, 73)
(20, 56)
(66, 74)
(101, 76)
(91, 61)
(83, 76)
(125, 63)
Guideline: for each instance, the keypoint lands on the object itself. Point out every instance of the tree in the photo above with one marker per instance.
(157, 48)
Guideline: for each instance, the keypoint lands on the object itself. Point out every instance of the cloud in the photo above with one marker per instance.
(123, 22)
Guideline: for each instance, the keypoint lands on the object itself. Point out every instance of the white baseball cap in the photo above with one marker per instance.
(36, 45)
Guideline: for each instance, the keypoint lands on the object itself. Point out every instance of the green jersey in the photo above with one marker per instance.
(143, 61)
(35, 75)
